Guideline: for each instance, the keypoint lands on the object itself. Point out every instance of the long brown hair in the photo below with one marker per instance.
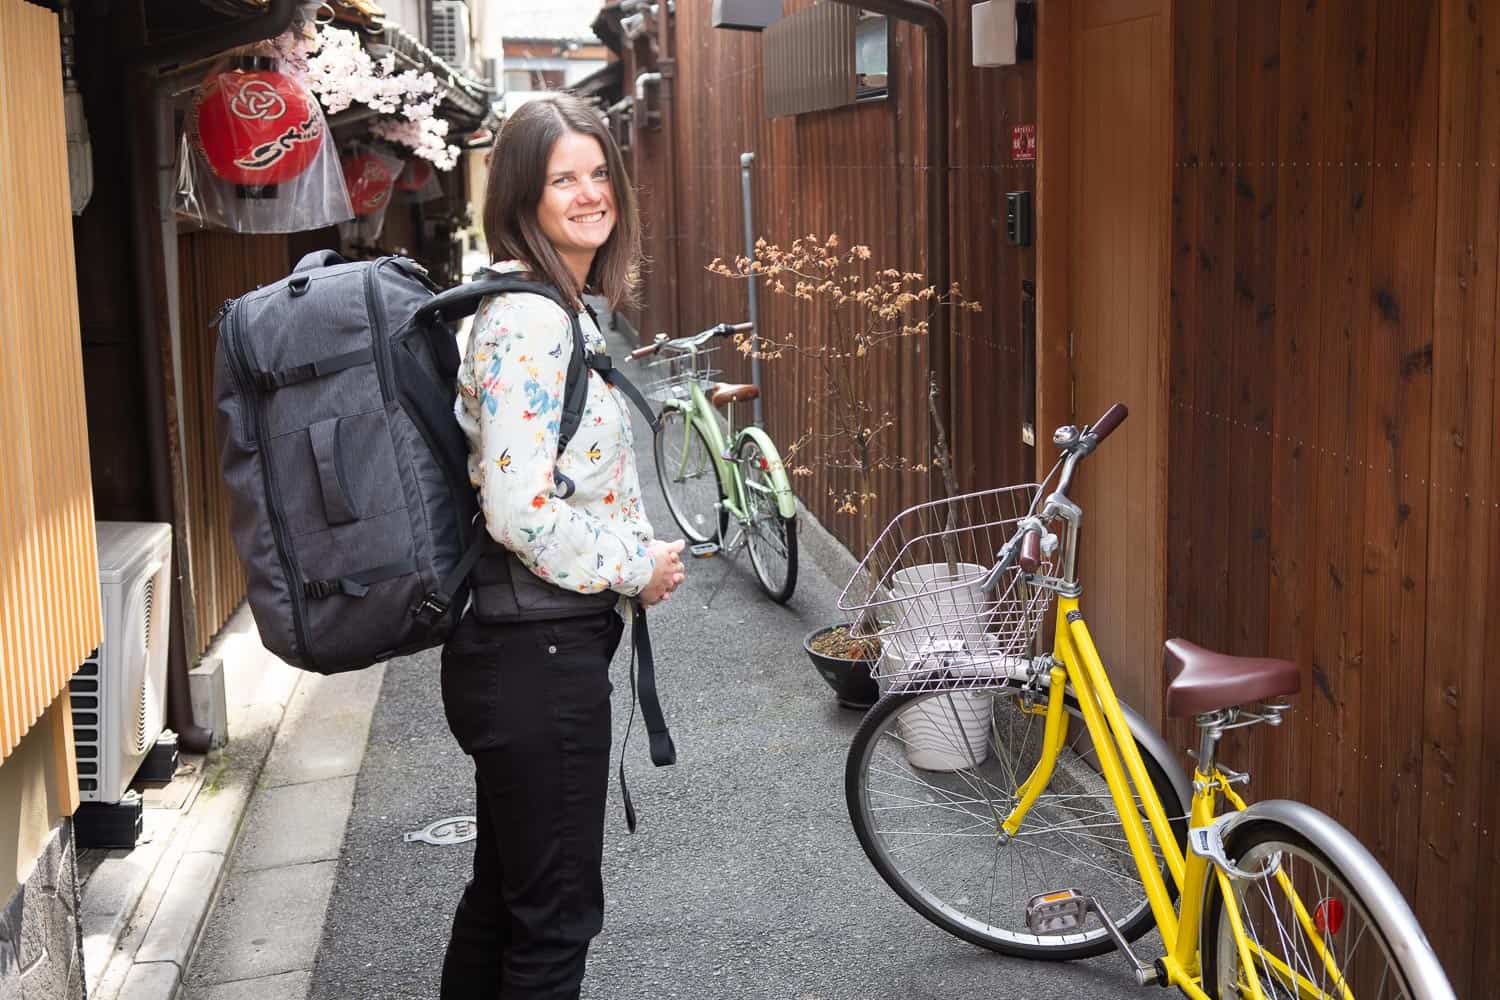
(517, 177)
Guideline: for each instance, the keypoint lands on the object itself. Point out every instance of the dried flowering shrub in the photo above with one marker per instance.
(866, 308)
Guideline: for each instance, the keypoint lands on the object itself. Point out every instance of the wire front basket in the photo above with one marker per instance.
(920, 591)
(675, 371)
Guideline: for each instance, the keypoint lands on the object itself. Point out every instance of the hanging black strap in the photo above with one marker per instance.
(602, 364)
(663, 752)
(357, 584)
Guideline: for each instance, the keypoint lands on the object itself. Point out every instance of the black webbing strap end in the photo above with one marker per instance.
(663, 752)
(319, 589)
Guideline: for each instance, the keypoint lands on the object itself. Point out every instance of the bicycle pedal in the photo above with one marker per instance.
(1059, 912)
(702, 550)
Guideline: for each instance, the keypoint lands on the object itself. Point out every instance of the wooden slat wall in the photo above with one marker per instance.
(859, 172)
(49, 589)
(1335, 493)
(213, 267)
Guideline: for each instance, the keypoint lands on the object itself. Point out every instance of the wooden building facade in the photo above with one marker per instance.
(1272, 228)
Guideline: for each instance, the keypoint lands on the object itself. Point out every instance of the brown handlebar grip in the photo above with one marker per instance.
(1113, 417)
(641, 352)
(1031, 552)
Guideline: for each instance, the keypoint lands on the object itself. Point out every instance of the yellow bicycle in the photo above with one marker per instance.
(1010, 798)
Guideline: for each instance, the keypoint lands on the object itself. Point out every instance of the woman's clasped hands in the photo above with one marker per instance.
(667, 574)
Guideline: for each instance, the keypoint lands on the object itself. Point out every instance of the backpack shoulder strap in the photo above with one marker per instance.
(462, 300)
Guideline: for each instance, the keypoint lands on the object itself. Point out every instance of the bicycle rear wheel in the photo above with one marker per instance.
(1313, 926)
(685, 465)
(772, 538)
(930, 777)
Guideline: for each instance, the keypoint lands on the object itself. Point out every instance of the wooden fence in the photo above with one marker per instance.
(213, 267)
(1335, 429)
(49, 591)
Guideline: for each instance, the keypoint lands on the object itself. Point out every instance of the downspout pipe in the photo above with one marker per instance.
(141, 71)
(934, 24)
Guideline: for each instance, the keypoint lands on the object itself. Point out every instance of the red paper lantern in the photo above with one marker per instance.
(257, 128)
(369, 179)
(417, 173)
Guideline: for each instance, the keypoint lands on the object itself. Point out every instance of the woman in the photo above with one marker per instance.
(529, 700)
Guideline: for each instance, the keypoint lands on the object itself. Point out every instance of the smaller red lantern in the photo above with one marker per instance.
(369, 179)
(417, 173)
(256, 127)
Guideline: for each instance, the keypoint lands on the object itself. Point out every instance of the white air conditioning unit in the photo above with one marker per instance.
(450, 32)
(119, 693)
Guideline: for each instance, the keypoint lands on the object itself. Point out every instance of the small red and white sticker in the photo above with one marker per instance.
(1023, 142)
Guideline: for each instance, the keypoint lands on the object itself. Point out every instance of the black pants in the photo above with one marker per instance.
(530, 703)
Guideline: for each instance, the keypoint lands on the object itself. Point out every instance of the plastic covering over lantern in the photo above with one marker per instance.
(369, 178)
(256, 157)
(370, 175)
(419, 180)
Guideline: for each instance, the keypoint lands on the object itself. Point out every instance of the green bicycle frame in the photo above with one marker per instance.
(700, 413)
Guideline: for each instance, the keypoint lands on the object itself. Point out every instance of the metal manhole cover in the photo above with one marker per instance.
(444, 832)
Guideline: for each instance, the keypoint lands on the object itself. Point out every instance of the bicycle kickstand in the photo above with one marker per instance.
(732, 550)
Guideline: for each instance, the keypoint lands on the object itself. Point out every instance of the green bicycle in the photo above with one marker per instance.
(724, 496)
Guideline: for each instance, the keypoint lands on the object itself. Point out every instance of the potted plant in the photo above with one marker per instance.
(866, 310)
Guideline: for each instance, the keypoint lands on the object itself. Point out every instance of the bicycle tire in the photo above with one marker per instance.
(773, 551)
(1399, 964)
(1125, 899)
(691, 500)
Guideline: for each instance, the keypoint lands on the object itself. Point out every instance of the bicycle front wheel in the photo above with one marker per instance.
(931, 776)
(772, 538)
(1312, 926)
(689, 476)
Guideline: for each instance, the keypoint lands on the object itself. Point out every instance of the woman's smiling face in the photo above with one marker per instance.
(577, 209)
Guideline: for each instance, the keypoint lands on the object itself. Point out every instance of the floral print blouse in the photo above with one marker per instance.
(510, 397)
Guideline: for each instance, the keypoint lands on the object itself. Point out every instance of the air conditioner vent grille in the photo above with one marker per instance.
(146, 595)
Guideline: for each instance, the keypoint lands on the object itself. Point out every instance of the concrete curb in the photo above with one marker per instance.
(143, 910)
(189, 913)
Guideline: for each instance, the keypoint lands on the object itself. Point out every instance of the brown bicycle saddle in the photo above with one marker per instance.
(728, 392)
(1206, 681)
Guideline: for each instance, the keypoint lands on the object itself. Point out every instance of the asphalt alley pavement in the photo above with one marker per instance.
(744, 879)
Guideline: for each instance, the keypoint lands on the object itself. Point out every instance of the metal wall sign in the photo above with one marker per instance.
(444, 832)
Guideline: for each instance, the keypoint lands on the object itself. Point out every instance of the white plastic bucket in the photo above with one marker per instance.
(948, 732)
(936, 601)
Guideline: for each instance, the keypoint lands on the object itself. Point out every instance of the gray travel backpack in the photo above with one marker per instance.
(350, 501)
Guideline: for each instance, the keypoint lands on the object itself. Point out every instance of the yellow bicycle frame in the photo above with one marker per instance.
(1120, 760)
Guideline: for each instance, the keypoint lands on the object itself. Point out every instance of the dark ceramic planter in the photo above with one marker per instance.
(850, 679)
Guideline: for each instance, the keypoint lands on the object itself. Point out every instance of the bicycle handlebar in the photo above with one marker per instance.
(1113, 417)
(686, 344)
(1024, 549)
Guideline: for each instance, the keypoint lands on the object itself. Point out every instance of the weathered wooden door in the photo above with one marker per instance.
(1109, 332)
